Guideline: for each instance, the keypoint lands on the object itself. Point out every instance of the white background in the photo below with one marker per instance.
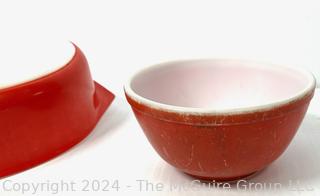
(119, 37)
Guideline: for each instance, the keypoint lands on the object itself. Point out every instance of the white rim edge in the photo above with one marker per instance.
(44, 73)
(209, 111)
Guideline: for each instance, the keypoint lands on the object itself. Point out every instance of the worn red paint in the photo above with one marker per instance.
(221, 147)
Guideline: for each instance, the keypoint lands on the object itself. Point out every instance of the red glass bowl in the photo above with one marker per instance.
(217, 119)
(43, 117)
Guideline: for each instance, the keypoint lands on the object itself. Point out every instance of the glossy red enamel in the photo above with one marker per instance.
(45, 117)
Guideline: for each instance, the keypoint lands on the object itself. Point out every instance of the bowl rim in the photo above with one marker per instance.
(68, 49)
(310, 86)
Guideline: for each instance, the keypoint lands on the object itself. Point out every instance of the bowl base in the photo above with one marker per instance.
(226, 180)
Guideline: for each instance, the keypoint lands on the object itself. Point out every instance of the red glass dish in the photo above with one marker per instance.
(44, 117)
(220, 120)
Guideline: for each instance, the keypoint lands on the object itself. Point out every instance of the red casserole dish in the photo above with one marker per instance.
(43, 117)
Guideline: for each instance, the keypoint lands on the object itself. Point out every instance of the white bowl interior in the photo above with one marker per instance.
(219, 84)
(28, 59)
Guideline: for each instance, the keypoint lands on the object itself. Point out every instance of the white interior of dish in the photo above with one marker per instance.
(25, 60)
(218, 85)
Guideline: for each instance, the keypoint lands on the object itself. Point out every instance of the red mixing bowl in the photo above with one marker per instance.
(217, 119)
(44, 115)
